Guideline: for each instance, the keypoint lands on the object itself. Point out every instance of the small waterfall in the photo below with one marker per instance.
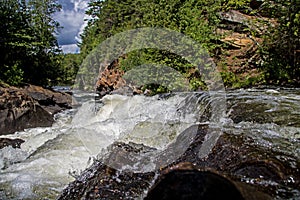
(51, 157)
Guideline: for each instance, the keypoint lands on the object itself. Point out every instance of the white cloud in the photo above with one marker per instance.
(71, 17)
(70, 48)
(72, 22)
(79, 5)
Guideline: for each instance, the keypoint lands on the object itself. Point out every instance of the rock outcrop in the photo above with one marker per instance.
(242, 35)
(29, 106)
(110, 79)
(49, 100)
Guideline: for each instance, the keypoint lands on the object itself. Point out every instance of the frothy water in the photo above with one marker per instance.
(50, 157)
(271, 118)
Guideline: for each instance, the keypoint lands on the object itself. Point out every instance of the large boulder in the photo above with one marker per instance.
(51, 101)
(28, 107)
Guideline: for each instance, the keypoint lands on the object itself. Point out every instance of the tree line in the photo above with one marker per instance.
(31, 53)
(27, 41)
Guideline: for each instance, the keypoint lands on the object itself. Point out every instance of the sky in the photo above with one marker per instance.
(71, 18)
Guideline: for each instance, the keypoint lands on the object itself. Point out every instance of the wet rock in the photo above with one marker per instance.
(102, 182)
(262, 112)
(50, 100)
(193, 184)
(241, 160)
(29, 107)
(187, 181)
(234, 164)
(15, 143)
(120, 155)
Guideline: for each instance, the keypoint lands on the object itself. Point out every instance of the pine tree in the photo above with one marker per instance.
(27, 40)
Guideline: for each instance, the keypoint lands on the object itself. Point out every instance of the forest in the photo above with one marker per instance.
(31, 54)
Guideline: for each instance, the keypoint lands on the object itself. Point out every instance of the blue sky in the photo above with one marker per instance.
(71, 17)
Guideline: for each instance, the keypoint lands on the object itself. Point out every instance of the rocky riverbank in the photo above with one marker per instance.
(29, 106)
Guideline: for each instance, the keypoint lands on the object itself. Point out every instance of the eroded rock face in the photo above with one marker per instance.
(110, 79)
(29, 107)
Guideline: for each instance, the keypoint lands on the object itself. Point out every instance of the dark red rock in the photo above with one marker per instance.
(109, 80)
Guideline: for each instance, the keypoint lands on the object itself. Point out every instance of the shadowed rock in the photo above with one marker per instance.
(193, 184)
(15, 143)
(29, 107)
(50, 100)
(234, 170)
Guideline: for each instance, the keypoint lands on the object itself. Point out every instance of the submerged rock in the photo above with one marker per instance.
(15, 143)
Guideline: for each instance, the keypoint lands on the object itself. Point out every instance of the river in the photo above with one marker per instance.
(52, 157)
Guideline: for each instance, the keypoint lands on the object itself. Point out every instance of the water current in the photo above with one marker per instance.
(51, 157)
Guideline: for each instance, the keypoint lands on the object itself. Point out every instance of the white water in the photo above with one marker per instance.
(41, 168)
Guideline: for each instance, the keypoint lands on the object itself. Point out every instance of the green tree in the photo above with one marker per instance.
(197, 19)
(69, 68)
(281, 50)
(14, 39)
(45, 54)
(27, 40)
(200, 20)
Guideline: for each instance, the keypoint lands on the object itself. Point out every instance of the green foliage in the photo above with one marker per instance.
(236, 4)
(281, 50)
(68, 69)
(196, 19)
(13, 74)
(199, 20)
(29, 49)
